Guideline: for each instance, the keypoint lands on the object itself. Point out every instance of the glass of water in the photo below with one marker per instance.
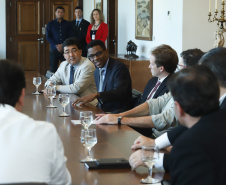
(86, 118)
(37, 81)
(64, 100)
(51, 92)
(52, 83)
(150, 155)
(89, 140)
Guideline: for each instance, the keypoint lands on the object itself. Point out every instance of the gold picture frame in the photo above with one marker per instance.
(98, 4)
(144, 19)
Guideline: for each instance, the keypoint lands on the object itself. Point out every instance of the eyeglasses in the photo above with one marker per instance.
(97, 54)
(73, 51)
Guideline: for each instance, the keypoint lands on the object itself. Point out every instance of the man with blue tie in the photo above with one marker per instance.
(112, 80)
(79, 29)
(75, 75)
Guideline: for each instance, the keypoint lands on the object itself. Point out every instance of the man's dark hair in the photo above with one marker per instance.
(12, 81)
(215, 59)
(96, 43)
(165, 56)
(78, 7)
(59, 7)
(191, 56)
(190, 87)
(70, 42)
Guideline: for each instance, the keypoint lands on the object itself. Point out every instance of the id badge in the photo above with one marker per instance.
(93, 37)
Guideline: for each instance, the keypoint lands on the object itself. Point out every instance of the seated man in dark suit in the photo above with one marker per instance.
(215, 59)
(79, 29)
(198, 110)
(163, 62)
(112, 80)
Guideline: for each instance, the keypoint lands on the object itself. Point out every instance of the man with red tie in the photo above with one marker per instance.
(163, 62)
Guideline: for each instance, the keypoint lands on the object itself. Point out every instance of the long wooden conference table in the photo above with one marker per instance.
(113, 141)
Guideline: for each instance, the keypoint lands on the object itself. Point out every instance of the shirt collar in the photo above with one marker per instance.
(79, 20)
(222, 98)
(162, 79)
(105, 66)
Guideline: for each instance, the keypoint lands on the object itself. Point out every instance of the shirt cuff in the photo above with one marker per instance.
(159, 163)
(162, 141)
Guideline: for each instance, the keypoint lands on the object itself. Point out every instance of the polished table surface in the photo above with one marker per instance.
(113, 141)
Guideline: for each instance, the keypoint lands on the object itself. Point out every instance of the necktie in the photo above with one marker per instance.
(154, 90)
(71, 75)
(101, 80)
(77, 23)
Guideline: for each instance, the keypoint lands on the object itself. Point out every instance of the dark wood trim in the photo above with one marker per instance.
(116, 22)
(8, 31)
(80, 3)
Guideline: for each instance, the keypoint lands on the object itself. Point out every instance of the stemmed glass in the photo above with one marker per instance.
(150, 155)
(86, 118)
(52, 83)
(64, 100)
(37, 81)
(89, 139)
(51, 92)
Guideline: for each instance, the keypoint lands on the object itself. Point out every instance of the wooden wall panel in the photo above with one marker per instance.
(28, 55)
(28, 17)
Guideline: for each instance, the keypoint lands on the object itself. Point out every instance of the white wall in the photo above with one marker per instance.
(197, 31)
(3, 30)
(165, 30)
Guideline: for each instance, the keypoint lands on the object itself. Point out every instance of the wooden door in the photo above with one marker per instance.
(25, 30)
(112, 11)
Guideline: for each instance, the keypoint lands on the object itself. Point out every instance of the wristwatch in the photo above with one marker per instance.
(119, 120)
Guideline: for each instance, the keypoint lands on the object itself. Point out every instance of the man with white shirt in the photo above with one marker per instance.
(215, 59)
(163, 62)
(198, 110)
(75, 75)
(31, 151)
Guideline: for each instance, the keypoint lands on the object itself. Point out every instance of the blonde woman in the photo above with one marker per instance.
(97, 30)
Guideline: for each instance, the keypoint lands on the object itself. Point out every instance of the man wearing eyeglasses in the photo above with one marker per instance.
(75, 75)
(112, 79)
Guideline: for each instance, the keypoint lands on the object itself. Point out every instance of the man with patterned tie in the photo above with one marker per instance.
(112, 80)
(79, 29)
(75, 75)
(163, 62)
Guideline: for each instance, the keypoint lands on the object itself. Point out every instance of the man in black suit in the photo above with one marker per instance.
(112, 80)
(198, 154)
(79, 29)
(163, 62)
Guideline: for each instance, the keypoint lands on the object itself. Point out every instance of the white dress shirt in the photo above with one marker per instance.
(31, 151)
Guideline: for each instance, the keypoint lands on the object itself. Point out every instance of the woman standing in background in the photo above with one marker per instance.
(97, 30)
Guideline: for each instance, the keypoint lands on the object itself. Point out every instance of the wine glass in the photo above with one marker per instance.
(52, 83)
(86, 118)
(64, 100)
(51, 92)
(37, 81)
(150, 155)
(89, 140)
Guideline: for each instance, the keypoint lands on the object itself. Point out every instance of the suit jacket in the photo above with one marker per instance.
(117, 91)
(150, 85)
(84, 83)
(101, 34)
(198, 155)
(175, 133)
(80, 34)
